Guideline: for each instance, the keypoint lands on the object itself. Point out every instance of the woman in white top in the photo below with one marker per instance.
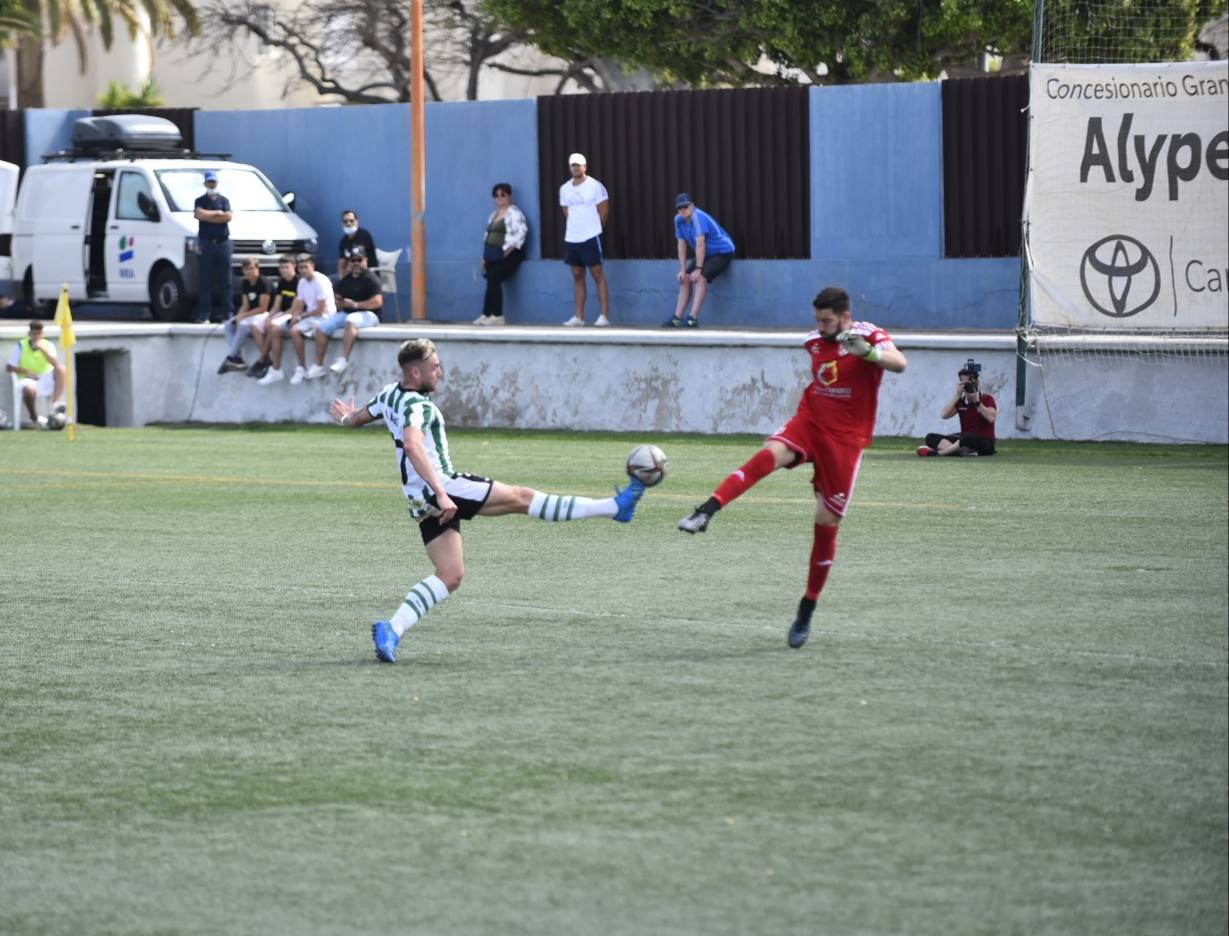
(503, 250)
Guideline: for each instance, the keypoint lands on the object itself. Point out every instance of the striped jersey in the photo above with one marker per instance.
(401, 408)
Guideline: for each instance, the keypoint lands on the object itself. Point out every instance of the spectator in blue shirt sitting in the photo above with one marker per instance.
(710, 248)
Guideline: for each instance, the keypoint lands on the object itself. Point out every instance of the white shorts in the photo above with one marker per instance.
(256, 321)
(281, 322)
(43, 384)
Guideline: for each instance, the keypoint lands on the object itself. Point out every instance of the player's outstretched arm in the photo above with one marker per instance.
(349, 415)
(888, 357)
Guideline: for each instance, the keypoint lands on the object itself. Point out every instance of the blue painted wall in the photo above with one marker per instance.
(48, 131)
(877, 171)
(876, 215)
(332, 158)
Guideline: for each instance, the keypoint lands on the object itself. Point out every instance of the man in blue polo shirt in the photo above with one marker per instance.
(214, 214)
(711, 250)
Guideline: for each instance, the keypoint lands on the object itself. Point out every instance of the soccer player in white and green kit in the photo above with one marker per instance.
(440, 497)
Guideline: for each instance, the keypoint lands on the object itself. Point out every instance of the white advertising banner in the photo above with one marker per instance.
(1127, 202)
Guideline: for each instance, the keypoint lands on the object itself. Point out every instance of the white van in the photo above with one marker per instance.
(114, 220)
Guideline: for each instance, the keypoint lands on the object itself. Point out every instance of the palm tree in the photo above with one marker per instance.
(77, 18)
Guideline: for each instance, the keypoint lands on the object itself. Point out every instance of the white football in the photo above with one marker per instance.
(648, 463)
(56, 421)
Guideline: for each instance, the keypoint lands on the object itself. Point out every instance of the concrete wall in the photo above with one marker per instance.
(626, 380)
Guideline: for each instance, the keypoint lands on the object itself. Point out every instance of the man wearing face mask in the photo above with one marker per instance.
(353, 236)
(214, 214)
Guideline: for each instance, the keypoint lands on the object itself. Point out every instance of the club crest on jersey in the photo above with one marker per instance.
(827, 373)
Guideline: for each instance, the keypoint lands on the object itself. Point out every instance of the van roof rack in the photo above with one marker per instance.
(120, 153)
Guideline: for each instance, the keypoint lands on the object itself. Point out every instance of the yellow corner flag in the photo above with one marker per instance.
(64, 318)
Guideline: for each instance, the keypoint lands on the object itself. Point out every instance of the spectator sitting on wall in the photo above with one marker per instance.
(977, 413)
(39, 373)
(359, 297)
(352, 236)
(314, 300)
(711, 250)
(281, 299)
(253, 311)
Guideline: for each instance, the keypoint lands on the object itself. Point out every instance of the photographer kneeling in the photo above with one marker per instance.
(977, 412)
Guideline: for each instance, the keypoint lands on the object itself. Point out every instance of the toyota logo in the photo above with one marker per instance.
(1117, 273)
(269, 246)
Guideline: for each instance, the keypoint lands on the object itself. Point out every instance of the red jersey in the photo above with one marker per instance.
(972, 423)
(844, 392)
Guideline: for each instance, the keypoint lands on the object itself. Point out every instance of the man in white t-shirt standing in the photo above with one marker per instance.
(313, 301)
(585, 206)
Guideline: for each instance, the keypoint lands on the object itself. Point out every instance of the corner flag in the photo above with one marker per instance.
(64, 318)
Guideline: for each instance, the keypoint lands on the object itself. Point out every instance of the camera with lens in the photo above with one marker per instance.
(971, 372)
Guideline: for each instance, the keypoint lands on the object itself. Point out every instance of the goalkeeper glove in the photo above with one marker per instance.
(858, 346)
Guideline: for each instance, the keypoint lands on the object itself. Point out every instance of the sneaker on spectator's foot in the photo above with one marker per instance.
(272, 376)
(259, 369)
(481, 320)
(672, 322)
(693, 322)
(339, 366)
(298, 375)
(925, 451)
(42, 422)
(627, 500)
(496, 320)
(224, 366)
(574, 321)
(602, 321)
(235, 364)
(386, 640)
(800, 630)
(315, 372)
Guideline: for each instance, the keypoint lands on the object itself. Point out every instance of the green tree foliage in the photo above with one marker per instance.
(738, 42)
(77, 18)
(119, 96)
(15, 20)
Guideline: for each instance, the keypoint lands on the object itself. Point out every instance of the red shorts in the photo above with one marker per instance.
(836, 464)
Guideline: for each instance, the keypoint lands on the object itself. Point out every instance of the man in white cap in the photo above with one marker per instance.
(585, 206)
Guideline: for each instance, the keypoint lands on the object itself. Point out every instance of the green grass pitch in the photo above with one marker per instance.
(1011, 717)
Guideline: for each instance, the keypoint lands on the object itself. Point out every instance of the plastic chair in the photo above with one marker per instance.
(19, 407)
(387, 273)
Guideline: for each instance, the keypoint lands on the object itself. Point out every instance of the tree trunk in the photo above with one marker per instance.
(30, 62)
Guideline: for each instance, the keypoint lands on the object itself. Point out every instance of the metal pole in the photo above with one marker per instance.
(418, 161)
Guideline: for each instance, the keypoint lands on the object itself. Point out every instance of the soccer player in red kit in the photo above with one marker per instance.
(832, 426)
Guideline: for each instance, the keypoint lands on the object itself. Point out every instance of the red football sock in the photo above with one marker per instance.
(760, 466)
(823, 552)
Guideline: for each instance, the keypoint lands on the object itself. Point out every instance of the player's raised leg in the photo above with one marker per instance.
(775, 454)
(554, 508)
(447, 554)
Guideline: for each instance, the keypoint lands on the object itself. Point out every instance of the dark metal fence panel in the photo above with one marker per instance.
(742, 154)
(13, 137)
(985, 146)
(181, 117)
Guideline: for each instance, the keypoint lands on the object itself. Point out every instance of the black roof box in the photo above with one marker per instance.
(129, 132)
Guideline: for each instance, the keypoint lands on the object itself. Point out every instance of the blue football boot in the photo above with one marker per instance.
(627, 499)
(386, 640)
